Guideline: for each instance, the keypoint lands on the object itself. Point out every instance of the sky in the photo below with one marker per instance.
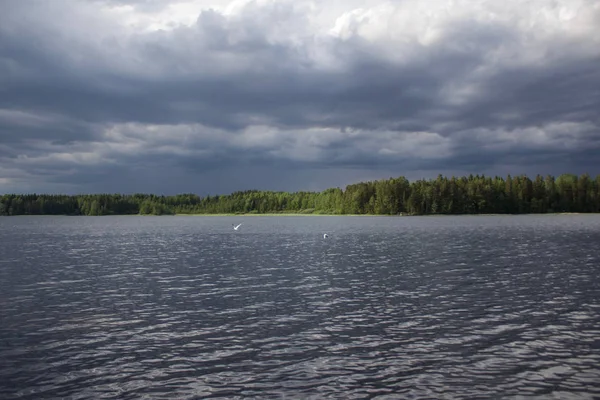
(211, 96)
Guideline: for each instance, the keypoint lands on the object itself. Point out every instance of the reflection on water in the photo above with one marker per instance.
(185, 307)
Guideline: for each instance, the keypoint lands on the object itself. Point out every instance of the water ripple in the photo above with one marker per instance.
(120, 308)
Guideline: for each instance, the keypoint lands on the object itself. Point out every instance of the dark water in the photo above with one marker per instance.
(185, 307)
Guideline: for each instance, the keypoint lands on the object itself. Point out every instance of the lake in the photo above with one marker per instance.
(384, 308)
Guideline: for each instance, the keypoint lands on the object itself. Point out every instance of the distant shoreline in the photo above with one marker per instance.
(280, 215)
(472, 195)
(374, 215)
(301, 215)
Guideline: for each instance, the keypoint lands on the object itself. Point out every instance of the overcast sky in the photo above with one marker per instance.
(211, 97)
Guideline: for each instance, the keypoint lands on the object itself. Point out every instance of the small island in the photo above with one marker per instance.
(471, 194)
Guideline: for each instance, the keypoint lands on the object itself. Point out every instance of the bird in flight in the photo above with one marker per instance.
(235, 227)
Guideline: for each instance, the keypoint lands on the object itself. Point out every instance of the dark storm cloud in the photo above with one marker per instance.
(536, 96)
(84, 98)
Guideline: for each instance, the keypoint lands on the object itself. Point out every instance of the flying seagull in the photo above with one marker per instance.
(235, 227)
(325, 236)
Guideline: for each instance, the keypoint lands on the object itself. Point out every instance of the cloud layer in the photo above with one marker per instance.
(215, 96)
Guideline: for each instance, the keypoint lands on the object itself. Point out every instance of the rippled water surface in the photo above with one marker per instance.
(408, 307)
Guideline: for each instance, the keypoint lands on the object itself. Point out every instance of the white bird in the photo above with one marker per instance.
(236, 227)
(325, 236)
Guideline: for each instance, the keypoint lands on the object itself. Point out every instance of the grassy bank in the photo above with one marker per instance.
(280, 215)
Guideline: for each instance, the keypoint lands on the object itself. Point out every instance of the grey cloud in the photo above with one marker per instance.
(532, 97)
(152, 4)
(226, 74)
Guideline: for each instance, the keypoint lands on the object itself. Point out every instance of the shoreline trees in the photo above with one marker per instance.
(455, 195)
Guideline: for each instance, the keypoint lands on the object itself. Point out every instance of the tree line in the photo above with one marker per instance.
(455, 195)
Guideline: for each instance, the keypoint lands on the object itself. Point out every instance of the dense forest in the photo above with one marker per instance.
(465, 195)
